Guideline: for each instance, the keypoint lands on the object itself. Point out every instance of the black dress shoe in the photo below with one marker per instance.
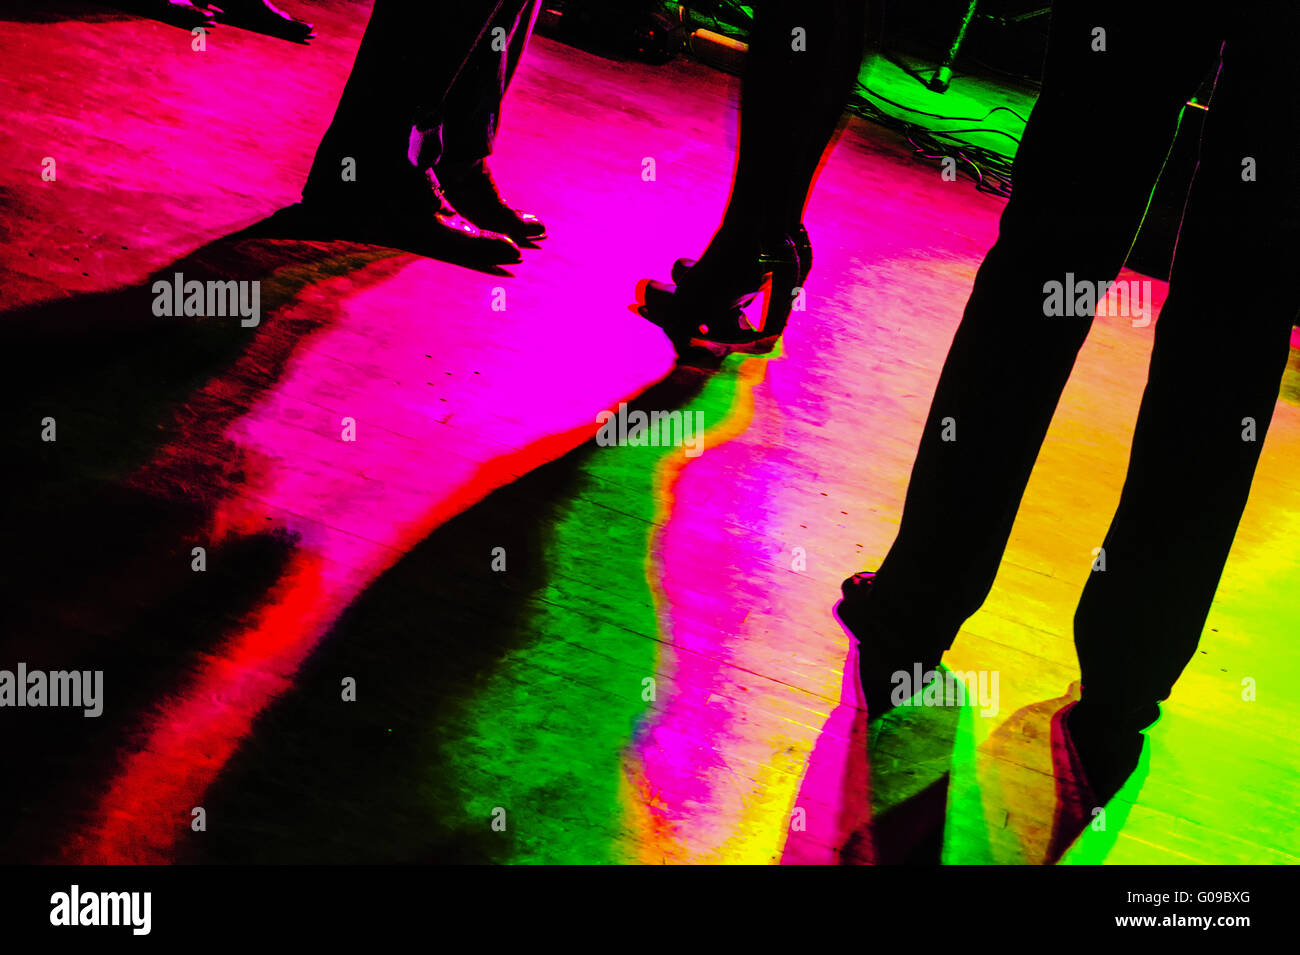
(261, 16)
(878, 658)
(413, 214)
(474, 192)
(456, 233)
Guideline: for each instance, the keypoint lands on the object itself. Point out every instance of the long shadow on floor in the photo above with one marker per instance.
(98, 562)
(876, 793)
(498, 672)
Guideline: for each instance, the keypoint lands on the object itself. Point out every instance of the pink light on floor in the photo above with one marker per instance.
(355, 509)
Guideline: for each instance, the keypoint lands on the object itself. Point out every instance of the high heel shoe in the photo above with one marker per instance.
(802, 248)
(746, 315)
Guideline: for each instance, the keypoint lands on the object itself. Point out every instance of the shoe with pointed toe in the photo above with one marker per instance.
(412, 212)
(475, 194)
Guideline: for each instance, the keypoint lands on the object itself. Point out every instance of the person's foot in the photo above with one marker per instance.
(262, 16)
(413, 215)
(1107, 747)
(474, 192)
(1094, 754)
(878, 661)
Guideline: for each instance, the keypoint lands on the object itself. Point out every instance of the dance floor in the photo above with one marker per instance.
(559, 650)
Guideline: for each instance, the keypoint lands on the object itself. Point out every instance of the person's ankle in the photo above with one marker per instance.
(454, 172)
(1105, 716)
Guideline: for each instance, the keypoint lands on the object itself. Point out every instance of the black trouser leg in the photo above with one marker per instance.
(473, 109)
(1221, 347)
(407, 64)
(794, 93)
(1090, 154)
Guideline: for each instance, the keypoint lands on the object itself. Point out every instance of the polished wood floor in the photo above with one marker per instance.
(655, 675)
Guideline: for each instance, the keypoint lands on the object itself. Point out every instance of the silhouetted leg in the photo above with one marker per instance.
(826, 109)
(473, 108)
(1090, 154)
(1221, 347)
(406, 65)
(791, 104)
(472, 116)
(373, 177)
